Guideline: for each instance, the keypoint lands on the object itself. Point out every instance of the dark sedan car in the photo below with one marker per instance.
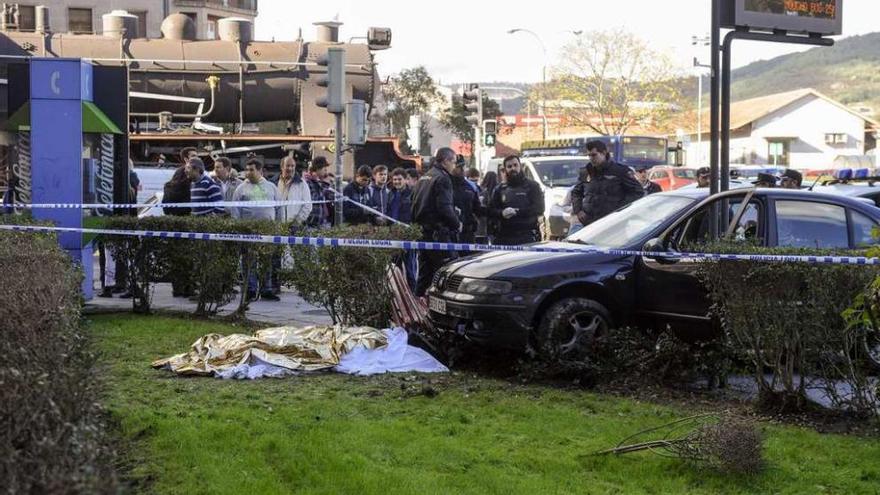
(559, 301)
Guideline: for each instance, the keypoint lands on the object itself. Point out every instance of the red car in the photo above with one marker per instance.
(670, 178)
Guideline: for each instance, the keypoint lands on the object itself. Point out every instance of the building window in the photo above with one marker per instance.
(777, 152)
(79, 21)
(142, 24)
(27, 18)
(835, 138)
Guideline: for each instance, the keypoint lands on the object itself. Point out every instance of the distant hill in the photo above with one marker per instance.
(849, 72)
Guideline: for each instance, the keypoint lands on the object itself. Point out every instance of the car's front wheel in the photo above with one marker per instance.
(569, 329)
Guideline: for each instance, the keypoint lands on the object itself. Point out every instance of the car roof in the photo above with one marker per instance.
(559, 158)
(774, 192)
(848, 189)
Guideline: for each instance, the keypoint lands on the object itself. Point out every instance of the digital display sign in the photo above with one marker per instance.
(822, 17)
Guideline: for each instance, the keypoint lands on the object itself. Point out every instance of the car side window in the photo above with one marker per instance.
(863, 229)
(696, 230)
(811, 225)
(528, 172)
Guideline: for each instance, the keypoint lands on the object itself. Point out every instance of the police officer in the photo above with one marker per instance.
(433, 210)
(466, 201)
(516, 204)
(642, 176)
(610, 186)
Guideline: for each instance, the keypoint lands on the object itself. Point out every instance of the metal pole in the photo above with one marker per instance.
(714, 100)
(340, 200)
(713, 115)
(544, 95)
(699, 120)
(726, 50)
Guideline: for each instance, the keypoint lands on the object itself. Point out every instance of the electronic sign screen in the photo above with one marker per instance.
(822, 17)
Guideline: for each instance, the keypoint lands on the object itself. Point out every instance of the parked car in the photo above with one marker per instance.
(670, 178)
(867, 191)
(562, 300)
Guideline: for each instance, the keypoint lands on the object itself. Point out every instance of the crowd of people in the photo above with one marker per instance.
(450, 203)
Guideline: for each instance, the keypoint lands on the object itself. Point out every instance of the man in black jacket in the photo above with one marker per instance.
(433, 210)
(467, 203)
(650, 187)
(358, 191)
(176, 190)
(516, 204)
(610, 186)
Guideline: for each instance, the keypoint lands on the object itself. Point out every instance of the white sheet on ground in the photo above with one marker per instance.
(396, 357)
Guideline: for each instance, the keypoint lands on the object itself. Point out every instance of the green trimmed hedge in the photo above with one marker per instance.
(52, 430)
(789, 321)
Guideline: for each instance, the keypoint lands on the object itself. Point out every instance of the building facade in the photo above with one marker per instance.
(802, 129)
(84, 16)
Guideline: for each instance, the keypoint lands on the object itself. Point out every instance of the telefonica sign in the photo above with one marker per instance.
(822, 17)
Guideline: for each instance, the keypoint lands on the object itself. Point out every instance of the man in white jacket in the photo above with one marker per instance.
(292, 187)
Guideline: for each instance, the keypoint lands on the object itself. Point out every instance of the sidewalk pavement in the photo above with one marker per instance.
(290, 310)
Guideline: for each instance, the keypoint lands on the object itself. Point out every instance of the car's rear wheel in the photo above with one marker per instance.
(569, 328)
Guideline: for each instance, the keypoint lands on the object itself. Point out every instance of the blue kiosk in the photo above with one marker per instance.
(71, 145)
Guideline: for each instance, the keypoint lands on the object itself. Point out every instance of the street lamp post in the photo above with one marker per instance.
(700, 41)
(543, 75)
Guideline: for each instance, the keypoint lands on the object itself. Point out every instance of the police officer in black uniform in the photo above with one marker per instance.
(610, 186)
(516, 204)
(466, 201)
(433, 210)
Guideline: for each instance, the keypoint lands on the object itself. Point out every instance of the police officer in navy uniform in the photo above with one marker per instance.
(610, 186)
(516, 204)
(433, 210)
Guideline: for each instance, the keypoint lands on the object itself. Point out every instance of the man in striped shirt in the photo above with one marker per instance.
(203, 189)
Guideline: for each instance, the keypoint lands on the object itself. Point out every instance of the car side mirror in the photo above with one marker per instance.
(655, 249)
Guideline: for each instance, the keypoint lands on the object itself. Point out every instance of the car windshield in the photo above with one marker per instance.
(559, 173)
(685, 173)
(623, 227)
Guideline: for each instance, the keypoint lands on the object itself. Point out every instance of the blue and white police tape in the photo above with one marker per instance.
(215, 204)
(449, 246)
(111, 206)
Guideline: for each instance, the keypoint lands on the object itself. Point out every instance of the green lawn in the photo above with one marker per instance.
(339, 434)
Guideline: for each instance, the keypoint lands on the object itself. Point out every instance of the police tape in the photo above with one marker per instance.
(111, 206)
(450, 246)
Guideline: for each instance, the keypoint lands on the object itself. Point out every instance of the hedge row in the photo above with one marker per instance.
(794, 324)
(348, 282)
(51, 426)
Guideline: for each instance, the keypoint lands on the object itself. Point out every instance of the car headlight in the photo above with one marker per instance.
(479, 286)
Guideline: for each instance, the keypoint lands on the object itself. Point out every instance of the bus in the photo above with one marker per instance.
(632, 151)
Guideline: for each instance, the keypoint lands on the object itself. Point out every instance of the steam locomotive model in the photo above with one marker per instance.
(207, 94)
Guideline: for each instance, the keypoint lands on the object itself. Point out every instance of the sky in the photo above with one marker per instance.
(466, 40)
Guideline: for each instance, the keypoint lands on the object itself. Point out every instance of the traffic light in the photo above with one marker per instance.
(490, 129)
(473, 105)
(334, 101)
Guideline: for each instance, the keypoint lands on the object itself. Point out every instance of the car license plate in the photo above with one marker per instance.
(437, 305)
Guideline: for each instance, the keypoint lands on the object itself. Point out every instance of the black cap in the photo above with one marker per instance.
(768, 178)
(793, 175)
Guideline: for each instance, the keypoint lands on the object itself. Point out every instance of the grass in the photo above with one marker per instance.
(326, 433)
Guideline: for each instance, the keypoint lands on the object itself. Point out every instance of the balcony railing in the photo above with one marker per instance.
(249, 5)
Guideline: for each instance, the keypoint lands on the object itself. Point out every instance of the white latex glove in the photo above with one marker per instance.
(458, 211)
(508, 212)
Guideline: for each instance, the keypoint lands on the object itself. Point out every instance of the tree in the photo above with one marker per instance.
(410, 93)
(454, 118)
(610, 81)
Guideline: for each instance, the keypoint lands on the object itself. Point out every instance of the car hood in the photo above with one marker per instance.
(516, 264)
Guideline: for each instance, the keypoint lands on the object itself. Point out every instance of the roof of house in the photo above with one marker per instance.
(744, 112)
